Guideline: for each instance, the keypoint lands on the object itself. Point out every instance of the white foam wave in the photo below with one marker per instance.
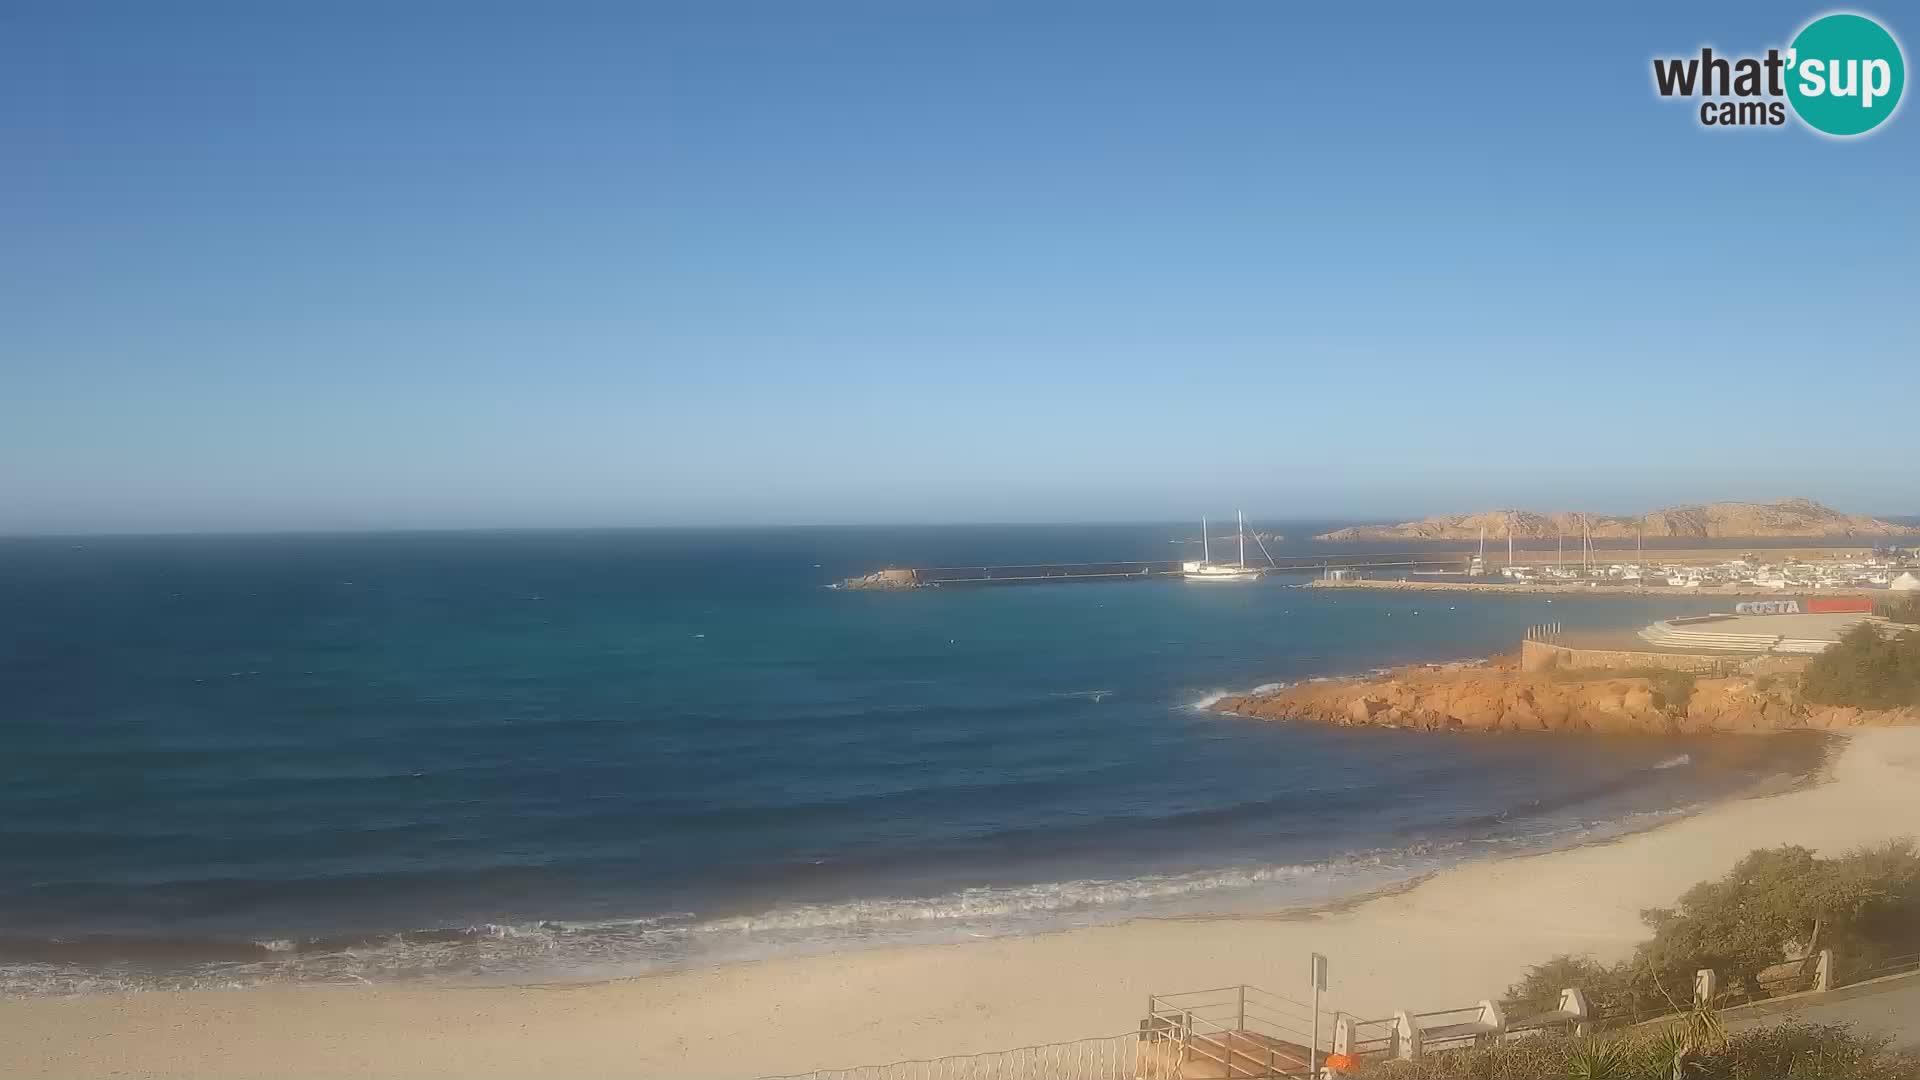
(1095, 696)
(586, 949)
(1676, 761)
(993, 903)
(1214, 697)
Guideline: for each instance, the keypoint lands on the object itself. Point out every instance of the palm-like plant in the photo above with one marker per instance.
(1600, 1059)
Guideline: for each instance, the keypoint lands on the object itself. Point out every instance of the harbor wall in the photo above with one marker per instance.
(1547, 656)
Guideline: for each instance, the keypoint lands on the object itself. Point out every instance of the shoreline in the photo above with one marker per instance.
(1264, 885)
(1448, 938)
(1557, 588)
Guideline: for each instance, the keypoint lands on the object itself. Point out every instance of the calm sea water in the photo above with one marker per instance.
(232, 760)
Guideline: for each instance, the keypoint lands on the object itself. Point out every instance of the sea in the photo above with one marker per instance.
(228, 761)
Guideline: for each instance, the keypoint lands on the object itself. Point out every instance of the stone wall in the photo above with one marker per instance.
(1546, 656)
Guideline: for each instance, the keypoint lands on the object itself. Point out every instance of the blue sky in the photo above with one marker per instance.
(422, 265)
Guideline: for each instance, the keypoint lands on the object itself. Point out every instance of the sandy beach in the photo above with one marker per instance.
(1460, 935)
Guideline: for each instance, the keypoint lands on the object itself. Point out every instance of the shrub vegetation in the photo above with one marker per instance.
(1901, 609)
(1777, 1052)
(1868, 669)
(1672, 688)
(1776, 904)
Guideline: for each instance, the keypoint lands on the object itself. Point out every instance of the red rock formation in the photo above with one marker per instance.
(1500, 697)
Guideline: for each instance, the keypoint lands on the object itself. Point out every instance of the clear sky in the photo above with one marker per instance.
(273, 265)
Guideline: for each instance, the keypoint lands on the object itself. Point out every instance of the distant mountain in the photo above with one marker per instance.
(1788, 518)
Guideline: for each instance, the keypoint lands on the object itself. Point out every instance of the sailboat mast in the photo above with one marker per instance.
(1206, 545)
(1240, 517)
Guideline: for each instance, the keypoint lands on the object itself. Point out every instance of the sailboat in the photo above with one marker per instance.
(1208, 570)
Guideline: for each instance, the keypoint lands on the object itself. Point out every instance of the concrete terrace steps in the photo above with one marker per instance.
(1668, 636)
(1786, 633)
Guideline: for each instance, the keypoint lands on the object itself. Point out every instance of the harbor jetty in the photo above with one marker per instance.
(896, 578)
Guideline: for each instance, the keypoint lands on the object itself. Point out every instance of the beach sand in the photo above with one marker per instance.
(1459, 936)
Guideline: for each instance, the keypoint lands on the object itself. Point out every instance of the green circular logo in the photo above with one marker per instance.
(1844, 74)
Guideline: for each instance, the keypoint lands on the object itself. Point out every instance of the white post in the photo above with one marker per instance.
(1343, 1035)
(1406, 1032)
(1573, 1005)
(1823, 971)
(1494, 1017)
(1706, 986)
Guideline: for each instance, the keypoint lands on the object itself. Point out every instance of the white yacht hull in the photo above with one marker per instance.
(1219, 573)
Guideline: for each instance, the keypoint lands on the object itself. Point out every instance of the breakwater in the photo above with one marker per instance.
(1062, 572)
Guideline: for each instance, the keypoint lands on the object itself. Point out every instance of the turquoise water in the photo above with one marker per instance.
(236, 760)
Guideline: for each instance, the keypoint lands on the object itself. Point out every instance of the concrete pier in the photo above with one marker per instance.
(1142, 570)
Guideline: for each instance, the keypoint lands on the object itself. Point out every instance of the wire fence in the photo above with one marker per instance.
(1889, 965)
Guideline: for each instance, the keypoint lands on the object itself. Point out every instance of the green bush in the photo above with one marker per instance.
(1672, 688)
(1790, 1051)
(1538, 991)
(1902, 609)
(1867, 669)
(1776, 904)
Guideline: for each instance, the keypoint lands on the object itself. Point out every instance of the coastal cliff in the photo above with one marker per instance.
(1498, 696)
(1787, 518)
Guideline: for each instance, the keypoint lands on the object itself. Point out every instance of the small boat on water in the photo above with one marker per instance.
(1208, 570)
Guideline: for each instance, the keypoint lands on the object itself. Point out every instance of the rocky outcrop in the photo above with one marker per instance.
(1787, 518)
(1500, 697)
(883, 579)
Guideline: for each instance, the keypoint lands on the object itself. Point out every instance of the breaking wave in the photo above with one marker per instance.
(559, 949)
(1214, 697)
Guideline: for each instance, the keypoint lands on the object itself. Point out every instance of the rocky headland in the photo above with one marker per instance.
(1498, 696)
(1784, 519)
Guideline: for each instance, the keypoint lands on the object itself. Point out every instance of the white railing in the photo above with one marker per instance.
(1234, 1031)
(1367, 1040)
(1246, 1032)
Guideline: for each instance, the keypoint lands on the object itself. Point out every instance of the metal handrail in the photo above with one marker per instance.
(1892, 965)
(1211, 990)
(1282, 1005)
(1265, 1006)
(1192, 1022)
(1446, 1012)
(1249, 988)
